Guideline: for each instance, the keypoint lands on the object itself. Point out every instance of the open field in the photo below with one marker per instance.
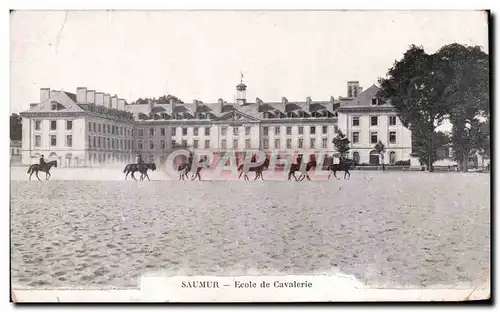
(385, 228)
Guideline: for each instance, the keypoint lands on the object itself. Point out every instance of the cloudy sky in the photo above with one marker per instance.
(199, 54)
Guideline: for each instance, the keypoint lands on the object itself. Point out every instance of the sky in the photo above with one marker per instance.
(200, 54)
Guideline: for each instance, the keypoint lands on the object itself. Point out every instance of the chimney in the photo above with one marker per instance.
(220, 105)
(172, 103)
(53, 92)
(259, 104)
(114, 101)
(352, 89)
(332, 103)
(121, 104)
(91, 96)
(107, 101)
(99, 98)
(195, 109)
(151, 104)
(81, 95)
(284, 100)
(44, 94)
(307, 109)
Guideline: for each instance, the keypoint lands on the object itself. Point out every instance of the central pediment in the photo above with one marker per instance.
(237, 116)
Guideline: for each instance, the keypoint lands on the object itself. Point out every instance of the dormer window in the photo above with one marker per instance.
(265, 115)
(54, 106)
(374, 101)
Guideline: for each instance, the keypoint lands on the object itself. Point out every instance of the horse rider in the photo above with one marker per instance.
(140, 162)
(299, 159)
(42, 162)
(254, 158)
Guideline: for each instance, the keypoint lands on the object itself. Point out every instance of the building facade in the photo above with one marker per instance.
(91, 128)
(79, 129)
(366, 120)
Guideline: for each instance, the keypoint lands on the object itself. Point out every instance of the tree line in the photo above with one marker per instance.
(427, 89)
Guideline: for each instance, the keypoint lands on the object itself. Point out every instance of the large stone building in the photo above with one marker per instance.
(92, 128)
(77, 129)
(366, 120)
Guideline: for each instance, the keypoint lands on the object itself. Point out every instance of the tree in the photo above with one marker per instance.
(341, 143)
(16, 128)
(415, 86)
(467, 93)
(420, 150)
(380, 149)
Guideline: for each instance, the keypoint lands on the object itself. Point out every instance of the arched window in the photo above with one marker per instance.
(392, 157)
(355, 157)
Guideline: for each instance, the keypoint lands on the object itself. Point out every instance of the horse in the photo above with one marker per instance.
(198, 170)
(132, 168)
(258, 170)
(144, 170)
(184, 168)
(343, 165)
(44, 168)
(304, 174)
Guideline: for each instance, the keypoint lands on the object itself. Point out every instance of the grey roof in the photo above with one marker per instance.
(256, 110)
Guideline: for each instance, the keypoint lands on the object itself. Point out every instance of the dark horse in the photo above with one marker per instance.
(132, 168)
(44, 168)
(343, 165)
(184, 169)
(304, 174)
(145, 168)
(258, 170)
(198, 170)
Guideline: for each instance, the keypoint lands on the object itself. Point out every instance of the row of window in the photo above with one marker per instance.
(95, 158)
(53, 140)
(110, 143)
(300, 143)
(392, 157)
(53, 125)
(374, 137)
(97, 127)
(152, 132)
(151, 145)
(374, 121)
(312, 130)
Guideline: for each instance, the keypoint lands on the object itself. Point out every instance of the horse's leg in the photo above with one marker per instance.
(307, 176)
(36, 173)
(329, 175)
(133, 176)
(33, 171)
(47, 175)
(261, 175)
(127, 175)
(335, 174)
(347, 172)
(147, 176)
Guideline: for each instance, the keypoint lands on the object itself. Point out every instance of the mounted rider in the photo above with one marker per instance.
(140, 162)
(42, 162)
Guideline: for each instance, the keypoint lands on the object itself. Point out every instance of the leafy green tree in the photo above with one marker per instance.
(380, 149)
(341, 143)
(16, 128)
(420, 150)
(415, 86)
(467, 70)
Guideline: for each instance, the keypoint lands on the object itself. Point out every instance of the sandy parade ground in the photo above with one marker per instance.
(89, 228)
